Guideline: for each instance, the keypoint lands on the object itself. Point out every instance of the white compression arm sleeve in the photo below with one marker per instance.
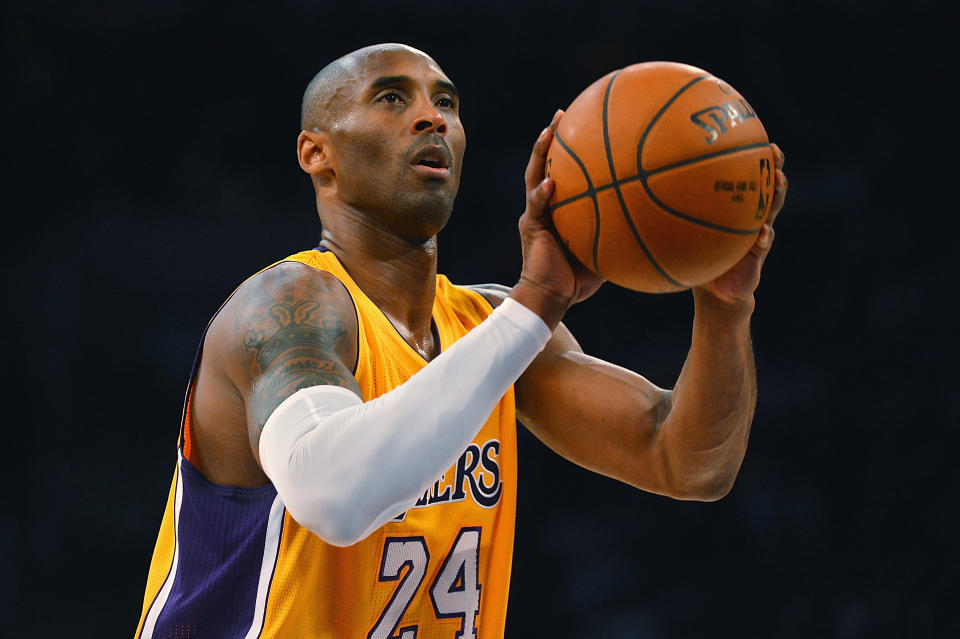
(344, 467)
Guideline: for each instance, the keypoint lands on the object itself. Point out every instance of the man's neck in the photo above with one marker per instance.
(398, 274)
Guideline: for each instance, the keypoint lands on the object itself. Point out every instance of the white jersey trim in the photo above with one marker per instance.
(271, 551)
(161, 599)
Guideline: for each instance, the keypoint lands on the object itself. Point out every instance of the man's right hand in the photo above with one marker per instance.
(551, 280)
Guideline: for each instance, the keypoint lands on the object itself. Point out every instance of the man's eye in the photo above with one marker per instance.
(445, 103)
(391, 98)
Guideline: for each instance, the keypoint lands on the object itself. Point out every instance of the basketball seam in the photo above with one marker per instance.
(616, 187)
(645, 175)
(653, 120)
(690, 218)
(593, 196)
(709, 156)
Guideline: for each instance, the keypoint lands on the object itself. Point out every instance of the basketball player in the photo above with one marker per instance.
(347, 461)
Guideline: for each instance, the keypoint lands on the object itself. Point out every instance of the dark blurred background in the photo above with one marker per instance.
(149, 168)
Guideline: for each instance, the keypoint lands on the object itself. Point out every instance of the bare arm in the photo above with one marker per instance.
(687, 443)
(286, 328)
(293, 327)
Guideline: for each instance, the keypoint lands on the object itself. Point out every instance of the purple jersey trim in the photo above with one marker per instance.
(221, 534)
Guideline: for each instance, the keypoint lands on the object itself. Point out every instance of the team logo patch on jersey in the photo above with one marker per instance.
(476, 473)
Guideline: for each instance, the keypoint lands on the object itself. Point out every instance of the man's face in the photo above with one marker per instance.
(398, 146)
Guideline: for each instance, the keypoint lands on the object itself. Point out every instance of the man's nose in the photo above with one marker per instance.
(429, 119)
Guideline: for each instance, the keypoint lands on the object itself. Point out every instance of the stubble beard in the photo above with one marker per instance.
(419, 216)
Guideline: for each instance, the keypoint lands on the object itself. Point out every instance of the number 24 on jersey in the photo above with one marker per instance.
(455, 592)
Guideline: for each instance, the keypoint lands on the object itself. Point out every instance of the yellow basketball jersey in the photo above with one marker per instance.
(231, 562)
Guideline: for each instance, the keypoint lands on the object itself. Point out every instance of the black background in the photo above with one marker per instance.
(149, 167)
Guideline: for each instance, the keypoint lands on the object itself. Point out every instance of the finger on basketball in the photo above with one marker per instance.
(534, 172)
(761, 248)
(538, 156)
(765, 239)
(779, 195)
(778, 157)
(537, 199)
(555, 122)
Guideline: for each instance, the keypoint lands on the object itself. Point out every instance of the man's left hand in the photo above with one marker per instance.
(736, 286)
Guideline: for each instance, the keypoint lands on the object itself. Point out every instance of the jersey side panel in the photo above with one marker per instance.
(221, 535)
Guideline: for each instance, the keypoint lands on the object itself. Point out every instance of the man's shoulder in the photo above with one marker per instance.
(283, 296)
(288, 281)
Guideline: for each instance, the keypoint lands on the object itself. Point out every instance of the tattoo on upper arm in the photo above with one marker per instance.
(293, 347)
(293, 331)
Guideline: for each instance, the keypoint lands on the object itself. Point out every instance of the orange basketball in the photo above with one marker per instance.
(664, 177)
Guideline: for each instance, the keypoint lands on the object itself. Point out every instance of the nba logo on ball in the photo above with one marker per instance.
(663, 177)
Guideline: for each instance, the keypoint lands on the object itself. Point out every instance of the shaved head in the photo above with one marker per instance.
(329, 91)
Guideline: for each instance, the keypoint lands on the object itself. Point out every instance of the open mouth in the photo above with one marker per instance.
(433, 161)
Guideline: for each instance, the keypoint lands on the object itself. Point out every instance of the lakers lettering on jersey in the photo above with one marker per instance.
(231, 562)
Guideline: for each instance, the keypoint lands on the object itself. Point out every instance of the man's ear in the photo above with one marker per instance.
(313, 152)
